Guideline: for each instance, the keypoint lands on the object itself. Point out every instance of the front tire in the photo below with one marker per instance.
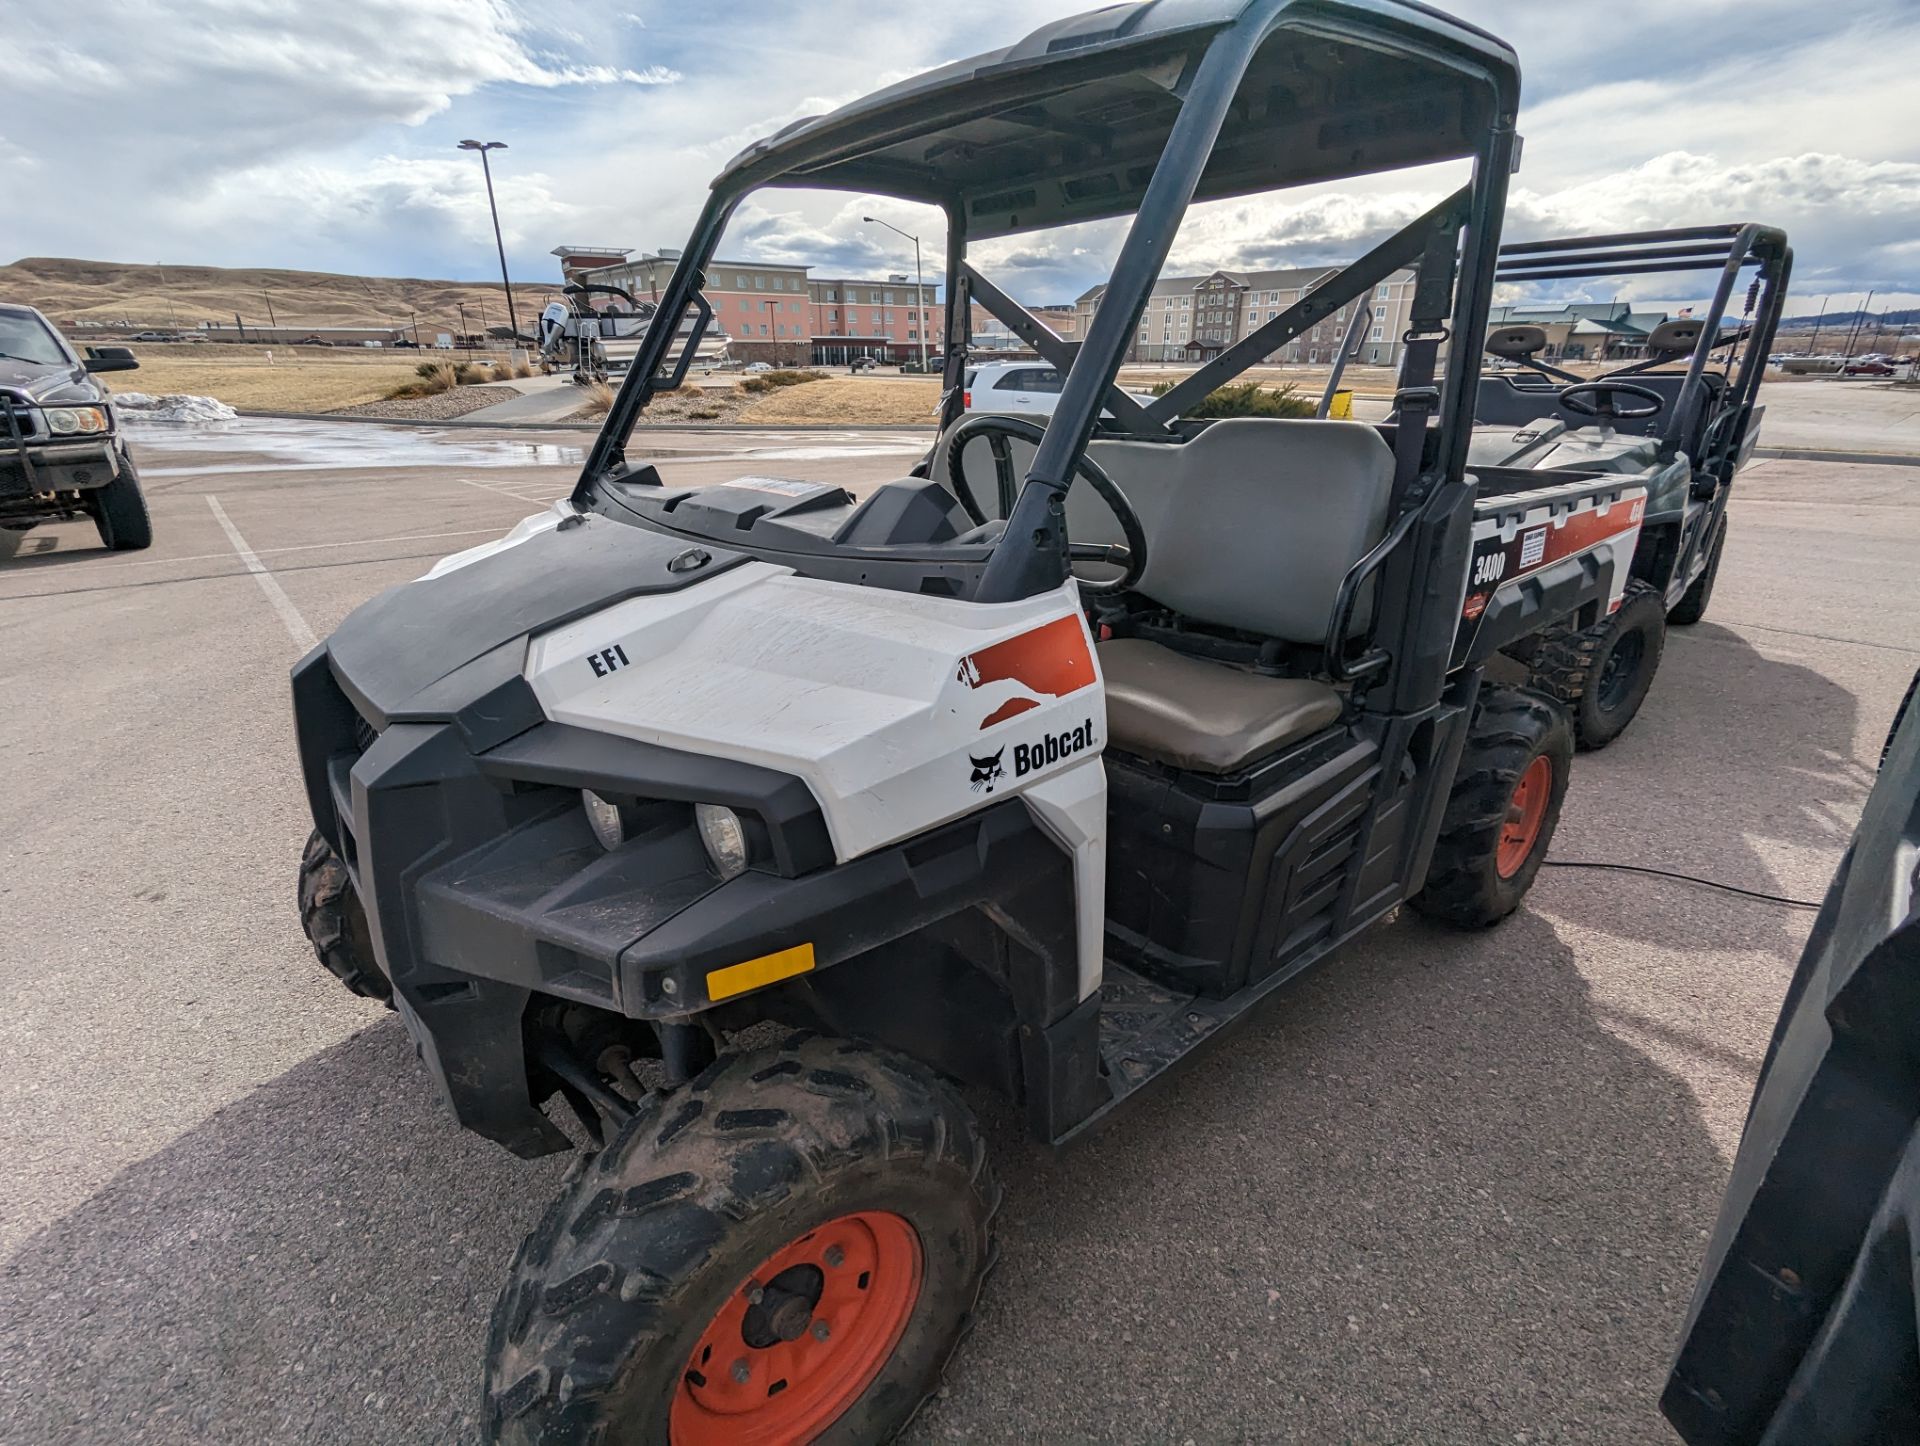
(1502, 812)
(336, 923)
(1602, 674)
(788, 1249)
(120, 511)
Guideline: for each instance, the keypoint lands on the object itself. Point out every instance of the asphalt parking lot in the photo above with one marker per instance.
(1452, 1188)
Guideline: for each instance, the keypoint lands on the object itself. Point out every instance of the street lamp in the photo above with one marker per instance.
(919, 286)
(483, 147)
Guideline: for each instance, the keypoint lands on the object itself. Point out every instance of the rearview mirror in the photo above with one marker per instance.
(111, 359)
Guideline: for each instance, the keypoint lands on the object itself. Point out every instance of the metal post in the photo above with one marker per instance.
(486, 170)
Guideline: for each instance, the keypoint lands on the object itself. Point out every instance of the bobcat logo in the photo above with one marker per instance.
(986, 771)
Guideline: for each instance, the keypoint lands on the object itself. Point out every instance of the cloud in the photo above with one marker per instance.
(279, 132)
(173, 106)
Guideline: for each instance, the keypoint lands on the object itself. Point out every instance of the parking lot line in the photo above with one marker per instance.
(282, 604)
(314, 546)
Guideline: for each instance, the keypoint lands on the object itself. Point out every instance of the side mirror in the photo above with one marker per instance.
(111, 359)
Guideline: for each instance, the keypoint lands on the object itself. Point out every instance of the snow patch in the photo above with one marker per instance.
(175, 408)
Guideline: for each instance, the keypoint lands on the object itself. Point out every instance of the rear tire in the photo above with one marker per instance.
(818, 1169)
(1693, 603)
(1602, 673)
(120, 511)
(1502, 812)
(336, 923)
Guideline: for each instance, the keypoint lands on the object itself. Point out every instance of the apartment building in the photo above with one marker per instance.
(887, 320)
(1193, 318)
(991, 336)
(781, 314)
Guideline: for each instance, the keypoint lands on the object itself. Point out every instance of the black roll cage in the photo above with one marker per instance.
(1455, 241)
(1729, 249)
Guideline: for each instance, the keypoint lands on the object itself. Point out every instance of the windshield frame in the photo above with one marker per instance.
(1032, 556)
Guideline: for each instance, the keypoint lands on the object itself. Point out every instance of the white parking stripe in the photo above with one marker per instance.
(289, 614)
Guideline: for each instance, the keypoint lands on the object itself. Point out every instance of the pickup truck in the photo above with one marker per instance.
(61, 454)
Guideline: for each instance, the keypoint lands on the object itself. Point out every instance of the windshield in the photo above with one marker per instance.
(26, 337)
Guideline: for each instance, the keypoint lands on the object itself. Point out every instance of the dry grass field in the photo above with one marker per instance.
(850, 399)
(112, 292)
(249, 383)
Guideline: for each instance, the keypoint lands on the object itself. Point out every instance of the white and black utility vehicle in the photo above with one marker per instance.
(61, 452)
(1037, 770)
(1681, 420)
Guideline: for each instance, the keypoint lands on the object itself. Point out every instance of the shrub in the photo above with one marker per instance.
(1246, 399)
(599, 399)
(773, 381)
(436, 377)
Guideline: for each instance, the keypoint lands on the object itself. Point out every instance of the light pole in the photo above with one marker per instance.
(483, 147)
(919, 286)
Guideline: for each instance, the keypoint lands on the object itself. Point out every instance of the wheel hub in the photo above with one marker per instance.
(784, 1309)
(1617, 673)
(1526, 812)
(803, 1337)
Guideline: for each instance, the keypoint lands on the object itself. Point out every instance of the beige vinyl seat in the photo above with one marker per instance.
(1251, 526)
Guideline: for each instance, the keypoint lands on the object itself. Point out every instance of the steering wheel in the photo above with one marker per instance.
(1130, 557)
(1602, 404)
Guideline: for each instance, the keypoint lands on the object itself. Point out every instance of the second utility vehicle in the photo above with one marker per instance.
(1681, 420)
(667, 763)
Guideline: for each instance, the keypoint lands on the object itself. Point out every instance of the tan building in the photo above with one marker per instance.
(1192, 318)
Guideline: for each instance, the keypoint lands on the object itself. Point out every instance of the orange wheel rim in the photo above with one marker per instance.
(802, 1337)
(1526, 811)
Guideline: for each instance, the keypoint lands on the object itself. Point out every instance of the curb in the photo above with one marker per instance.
(472, 419)
(1828, 454)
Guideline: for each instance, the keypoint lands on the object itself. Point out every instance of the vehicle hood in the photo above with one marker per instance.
(49, 385)
(423, 650)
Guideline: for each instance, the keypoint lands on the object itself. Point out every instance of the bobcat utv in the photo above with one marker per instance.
(666, 764)
(1681, 421)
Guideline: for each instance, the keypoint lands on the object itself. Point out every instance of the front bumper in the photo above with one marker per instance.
(486, 889)
(46, 470)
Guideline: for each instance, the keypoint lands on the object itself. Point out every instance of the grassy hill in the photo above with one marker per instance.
(106, 292)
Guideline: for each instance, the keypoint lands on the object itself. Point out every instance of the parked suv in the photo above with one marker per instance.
(1023, 389)
(61, 455)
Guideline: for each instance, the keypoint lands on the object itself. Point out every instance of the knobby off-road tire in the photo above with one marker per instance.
(1693, 603)
(120, 511)
(336, 924)
(1502, 811)
(1602, 673)
(627, 1317)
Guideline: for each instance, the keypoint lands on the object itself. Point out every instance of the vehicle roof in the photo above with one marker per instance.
(20, 308)
(1066, 124)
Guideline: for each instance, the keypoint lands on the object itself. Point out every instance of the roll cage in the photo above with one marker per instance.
(1728, 249)
(1139, 110)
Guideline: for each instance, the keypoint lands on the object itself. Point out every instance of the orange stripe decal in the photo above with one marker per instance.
(1052, 659)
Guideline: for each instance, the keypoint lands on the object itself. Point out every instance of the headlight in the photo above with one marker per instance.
(65, 421)
(725, 837)
(604, 819)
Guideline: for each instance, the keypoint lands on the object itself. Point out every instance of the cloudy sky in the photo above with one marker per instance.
(283, 133)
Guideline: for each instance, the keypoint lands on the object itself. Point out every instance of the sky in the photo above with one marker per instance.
(283, 133)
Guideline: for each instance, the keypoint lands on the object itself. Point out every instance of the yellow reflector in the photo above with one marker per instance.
(757, 973)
